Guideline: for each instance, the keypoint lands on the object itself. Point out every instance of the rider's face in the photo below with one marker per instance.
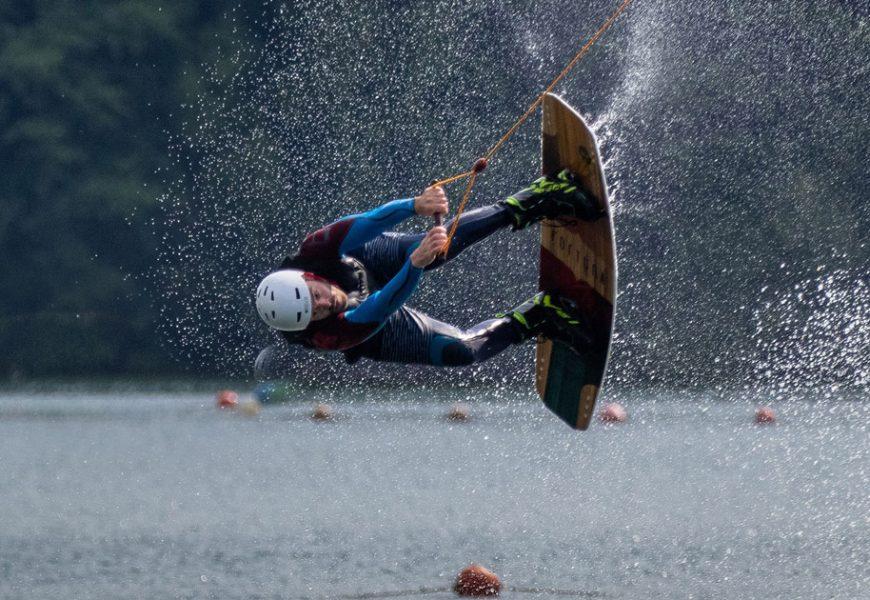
(326, 299)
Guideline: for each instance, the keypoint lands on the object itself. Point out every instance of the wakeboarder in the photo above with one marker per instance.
(345, 289)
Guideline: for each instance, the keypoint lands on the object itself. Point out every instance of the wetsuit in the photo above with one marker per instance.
(377, 325)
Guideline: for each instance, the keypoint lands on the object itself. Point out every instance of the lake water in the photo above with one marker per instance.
(155, 495)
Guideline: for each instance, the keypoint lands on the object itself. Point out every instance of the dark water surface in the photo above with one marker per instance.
(115, 496)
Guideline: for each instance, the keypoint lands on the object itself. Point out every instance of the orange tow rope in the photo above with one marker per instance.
(482, 163)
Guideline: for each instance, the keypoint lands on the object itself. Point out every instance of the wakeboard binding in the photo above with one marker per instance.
(554, 317)
(560, 196)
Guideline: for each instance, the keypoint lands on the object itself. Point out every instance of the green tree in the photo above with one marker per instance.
(88, 93)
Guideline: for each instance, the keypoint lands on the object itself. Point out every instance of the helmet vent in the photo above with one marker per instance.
(266, 290)
(273, 295)
(298, 317)
(298, 297)
(273, 314)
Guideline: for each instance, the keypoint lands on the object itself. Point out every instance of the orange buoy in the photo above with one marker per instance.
(612, 413)
(765, 415)
(458, 412)
(322, 412)
(227, 399)
(475, 580)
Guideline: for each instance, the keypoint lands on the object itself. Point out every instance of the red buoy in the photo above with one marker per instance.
(480, 165)
(765, 415)
(227, 399)
(475, 580)
(612, 413)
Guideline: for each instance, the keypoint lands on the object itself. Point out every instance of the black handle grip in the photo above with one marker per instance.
(439, 219)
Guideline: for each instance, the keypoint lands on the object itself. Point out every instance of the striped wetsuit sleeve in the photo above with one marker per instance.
(380, 305)
(352, 232)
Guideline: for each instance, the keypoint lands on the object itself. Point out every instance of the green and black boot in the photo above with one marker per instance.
(552, 197)
(547, 315)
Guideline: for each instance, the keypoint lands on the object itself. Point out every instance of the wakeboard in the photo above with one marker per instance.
(578, 264)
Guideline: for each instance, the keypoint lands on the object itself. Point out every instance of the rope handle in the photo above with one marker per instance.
(479, 166)
(439, 218)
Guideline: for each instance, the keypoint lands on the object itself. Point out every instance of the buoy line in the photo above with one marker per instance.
(373, 595)
(557, 592)
(449, 590)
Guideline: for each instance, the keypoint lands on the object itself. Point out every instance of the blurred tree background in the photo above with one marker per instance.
(152, 156)
(88, 92)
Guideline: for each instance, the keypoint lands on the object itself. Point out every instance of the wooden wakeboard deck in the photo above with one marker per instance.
(578, 261)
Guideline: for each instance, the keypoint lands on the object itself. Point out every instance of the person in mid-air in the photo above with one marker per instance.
(346, 288)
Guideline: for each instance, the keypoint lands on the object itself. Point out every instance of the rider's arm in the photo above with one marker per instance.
(352, 232)
(380, 305)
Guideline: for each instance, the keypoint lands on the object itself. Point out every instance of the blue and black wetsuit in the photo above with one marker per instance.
(373, 266)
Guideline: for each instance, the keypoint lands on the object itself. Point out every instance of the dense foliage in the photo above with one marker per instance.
(88, 92)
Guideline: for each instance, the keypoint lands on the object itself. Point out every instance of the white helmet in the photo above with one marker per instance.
(283, 301)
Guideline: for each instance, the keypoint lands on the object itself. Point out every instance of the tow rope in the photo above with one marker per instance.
(481, 163)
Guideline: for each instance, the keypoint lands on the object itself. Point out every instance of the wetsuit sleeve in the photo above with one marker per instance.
(380, 305)
(352, 232)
